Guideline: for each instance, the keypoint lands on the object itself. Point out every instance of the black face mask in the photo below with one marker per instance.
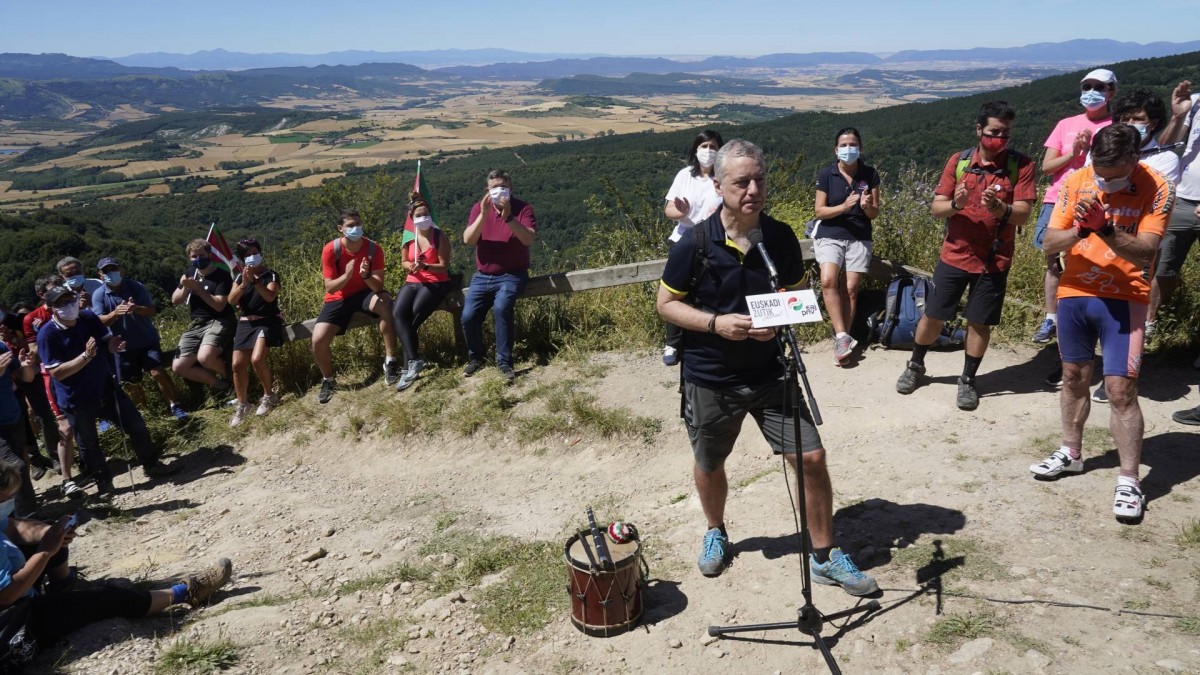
(201, 263)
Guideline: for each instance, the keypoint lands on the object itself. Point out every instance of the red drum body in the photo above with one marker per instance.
(604, 603)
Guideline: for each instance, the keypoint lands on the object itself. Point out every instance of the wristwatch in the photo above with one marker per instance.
(1107, 231)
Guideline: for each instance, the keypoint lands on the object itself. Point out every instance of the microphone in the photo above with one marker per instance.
(756, 240)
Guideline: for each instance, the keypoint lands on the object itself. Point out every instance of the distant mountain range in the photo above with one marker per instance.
(220, 59)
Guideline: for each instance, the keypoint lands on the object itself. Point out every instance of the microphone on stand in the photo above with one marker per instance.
(756, 240)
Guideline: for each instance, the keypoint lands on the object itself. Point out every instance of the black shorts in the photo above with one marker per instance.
(249, 332)
(135, 362)
(984, 302)
(339, 312)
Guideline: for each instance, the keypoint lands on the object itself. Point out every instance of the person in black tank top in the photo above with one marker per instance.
(260, 327)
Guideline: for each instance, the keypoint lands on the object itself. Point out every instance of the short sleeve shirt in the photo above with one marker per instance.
(498, 250)
(33, 321)
(702, 197)
(1189, 179)
(1092, 269)
(332, 268)
(216, 282)
(58, 344)
(11, 562)
(137, 331)
(1062, 140)
(710, 360)
(972, 232)
(854, 225)
(10, 409)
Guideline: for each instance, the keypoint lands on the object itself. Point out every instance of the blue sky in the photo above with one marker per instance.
(742, 27)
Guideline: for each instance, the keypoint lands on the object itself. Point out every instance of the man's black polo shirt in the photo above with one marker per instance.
(708, 359)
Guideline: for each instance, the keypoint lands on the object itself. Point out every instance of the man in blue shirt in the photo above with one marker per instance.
(12, 427)
(68, 345)
(125, 306)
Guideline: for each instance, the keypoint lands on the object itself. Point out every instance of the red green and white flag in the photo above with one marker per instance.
(224, 255)
(410, 230)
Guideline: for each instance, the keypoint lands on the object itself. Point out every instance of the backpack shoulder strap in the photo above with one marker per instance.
(920, 289)
(700, 264)
(337, 255)
(964, 160)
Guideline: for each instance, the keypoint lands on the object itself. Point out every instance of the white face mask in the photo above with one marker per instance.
(706, 156)
(423, 222)
(499, 193)
(254, 260)
(68, 312)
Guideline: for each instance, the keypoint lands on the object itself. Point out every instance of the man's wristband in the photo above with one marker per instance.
(955, 206)
(712, 324)
(1107, 231)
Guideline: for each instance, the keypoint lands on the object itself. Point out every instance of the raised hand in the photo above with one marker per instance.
(682, 205)
(91, 347)
(1181, 98)
(1089, 215)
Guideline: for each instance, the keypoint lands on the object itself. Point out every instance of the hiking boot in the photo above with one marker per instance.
(239, 413)
(1045, 332)
(1057, 464)
(267, 404)
(326, 393)
(1054, 379)
(842, 347)
(179, 413)
(1100, 395)
(508, 374)
(907, 383)
(1129, 504)
(221, 385)
(968, 397)
(157, 469)
(391, 372)
(1190, 416)
(36, 472)
(105, 487)
(474, 366)
(840, 570)
(670, 356)
(202, 586)
(714, 556)
(70, 490)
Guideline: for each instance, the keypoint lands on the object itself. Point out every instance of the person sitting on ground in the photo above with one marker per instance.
(426, 262)
(37, 620)
(260, 327)
(15, 365)
(985, 193)
(125, 306)
(847, 201)
(690, 200)
(1109, 222)
(205, 289)
(354, 271)
(68, 345)
(27, 533)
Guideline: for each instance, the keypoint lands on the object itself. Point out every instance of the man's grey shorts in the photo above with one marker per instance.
(714, 419)
(217, 333)
(852, 256)
(1182, 231)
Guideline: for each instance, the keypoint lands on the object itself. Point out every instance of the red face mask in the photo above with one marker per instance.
(993, 143)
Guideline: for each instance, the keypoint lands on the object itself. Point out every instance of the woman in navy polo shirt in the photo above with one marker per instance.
(846, 203)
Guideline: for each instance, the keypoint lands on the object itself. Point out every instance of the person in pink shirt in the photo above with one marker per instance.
(1067, 150)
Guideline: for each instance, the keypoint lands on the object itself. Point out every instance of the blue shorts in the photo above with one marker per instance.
(1043, 222)
(1119, 326)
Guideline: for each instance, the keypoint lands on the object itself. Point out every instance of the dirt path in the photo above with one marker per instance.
(906, 471)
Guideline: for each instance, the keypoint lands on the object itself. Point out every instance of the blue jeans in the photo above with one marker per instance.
(114, 405)
(498, 292)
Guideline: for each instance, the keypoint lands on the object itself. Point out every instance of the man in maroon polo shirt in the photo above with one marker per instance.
(985, 193)
(501, 228)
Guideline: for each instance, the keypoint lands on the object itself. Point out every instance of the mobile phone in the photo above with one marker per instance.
(72, 521)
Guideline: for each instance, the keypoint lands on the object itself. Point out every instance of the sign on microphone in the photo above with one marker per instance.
(778, 309)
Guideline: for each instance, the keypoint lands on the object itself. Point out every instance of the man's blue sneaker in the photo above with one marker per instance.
(105, 425)
(714, 556)
(1045, 332)
(841, 571)
(179, 413)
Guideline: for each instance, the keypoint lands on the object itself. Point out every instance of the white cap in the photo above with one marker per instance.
(1101, 75)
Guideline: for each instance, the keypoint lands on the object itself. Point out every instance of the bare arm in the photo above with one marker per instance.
(475, 228)
(1181, 104)
(335, 285)
(674, 309)
(1053, 161)
(870, 205)
(672, 211)
(1139, 250)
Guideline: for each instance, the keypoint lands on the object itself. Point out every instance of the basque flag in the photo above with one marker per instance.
(224, 255)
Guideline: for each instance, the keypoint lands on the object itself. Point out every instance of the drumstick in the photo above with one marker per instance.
(601, 546)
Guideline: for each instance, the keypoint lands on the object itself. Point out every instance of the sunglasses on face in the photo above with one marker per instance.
(992, 134)
(1093, 87)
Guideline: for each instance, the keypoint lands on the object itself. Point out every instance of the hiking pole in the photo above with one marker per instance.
(120, 424)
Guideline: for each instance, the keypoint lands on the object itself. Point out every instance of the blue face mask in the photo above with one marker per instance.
(111, 278)
(75, 282)
(1143, 130)
(353, 233)
(1092, 100)
(848, 154)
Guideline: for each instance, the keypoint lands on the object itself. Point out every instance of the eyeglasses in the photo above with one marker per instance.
(1093, 87)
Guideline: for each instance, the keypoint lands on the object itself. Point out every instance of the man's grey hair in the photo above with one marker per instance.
(498, 174)
(734, 149)
(67, 261)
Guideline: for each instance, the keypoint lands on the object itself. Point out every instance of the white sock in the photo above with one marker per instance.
(1073, 453)
(1126, 480)
(1053, 316)
(841, 335)
(389, 359)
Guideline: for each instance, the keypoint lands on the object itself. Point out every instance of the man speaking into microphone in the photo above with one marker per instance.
(731, 369)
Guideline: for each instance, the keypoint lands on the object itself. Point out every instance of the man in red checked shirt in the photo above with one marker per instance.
(985, 194)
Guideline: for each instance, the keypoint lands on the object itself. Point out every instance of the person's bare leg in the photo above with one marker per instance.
(831, 292)
(1075, 401)
(818, 497)
(1050, 285)
(1125, 421)
(211, 358)
(928, 330)
(165, 385)
(382, 305)
(262, 367)
(713, 488)
(241, 375)
(854, 282)
(322, 342)
(188, 368)
(159, 601)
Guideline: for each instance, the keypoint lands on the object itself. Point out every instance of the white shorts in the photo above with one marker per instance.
(852, 256)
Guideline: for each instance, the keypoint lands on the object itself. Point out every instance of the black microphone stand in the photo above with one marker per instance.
(809, 619)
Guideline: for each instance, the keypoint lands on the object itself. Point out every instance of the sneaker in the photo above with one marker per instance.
(907, 383)
(157, 469)
(1190, 416)
(1054, 379)
(179, 413)
(1057, 464)
(1045, 332)
(968, 397)
(670, 356)
(202, 586)
(239, 413)
(221, 385)
(56, 466)
(36, 472)
(1149, 331)
(840, 570)
(327, 387)
(414, 368)
(473, 367)
(1100, 396)
(842, 347)
(70, 490)
(391, 372)
(508, 373)
(267, 404)
(1128, 502)
(105, 425)
(714, 556)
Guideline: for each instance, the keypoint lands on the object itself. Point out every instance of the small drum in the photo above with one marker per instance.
(604, 603)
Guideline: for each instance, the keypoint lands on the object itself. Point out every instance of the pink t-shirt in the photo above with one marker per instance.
(1062, 139)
